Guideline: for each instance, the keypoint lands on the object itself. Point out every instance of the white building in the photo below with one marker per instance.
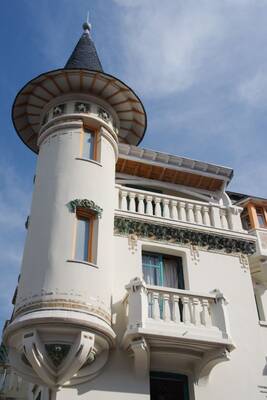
(135, 280)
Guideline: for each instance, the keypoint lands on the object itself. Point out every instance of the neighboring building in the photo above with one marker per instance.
(254, 220)
(135, 280)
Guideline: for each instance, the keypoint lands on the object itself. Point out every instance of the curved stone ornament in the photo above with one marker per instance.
(212, 358)
(57, 373)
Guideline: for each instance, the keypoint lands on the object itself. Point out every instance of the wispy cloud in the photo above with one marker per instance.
(201, 70)
(198, 66)
(253, 91)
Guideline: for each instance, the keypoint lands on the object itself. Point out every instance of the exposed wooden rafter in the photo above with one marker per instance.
(109, 82)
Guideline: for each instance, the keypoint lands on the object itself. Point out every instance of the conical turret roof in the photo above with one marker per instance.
(83, 73)
(85, 56)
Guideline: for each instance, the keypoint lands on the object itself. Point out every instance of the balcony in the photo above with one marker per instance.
(261, 247)
(193, 326)
(258, 261)
(179, 210)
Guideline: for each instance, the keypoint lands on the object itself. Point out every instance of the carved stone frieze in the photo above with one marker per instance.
(92, 309)
(171, 234)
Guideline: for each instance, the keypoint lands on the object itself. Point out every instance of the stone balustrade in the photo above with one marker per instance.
(179, 209)
(175, 310)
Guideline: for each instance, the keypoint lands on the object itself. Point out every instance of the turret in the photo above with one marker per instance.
(73, 118)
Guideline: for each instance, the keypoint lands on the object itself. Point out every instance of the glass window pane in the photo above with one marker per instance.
(260, 215)
(246, 221)
(261, 221)
(152, 271)
(88, 145)
(82, 239)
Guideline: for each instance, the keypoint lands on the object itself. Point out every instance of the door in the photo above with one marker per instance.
(162, 270)
(167, 386)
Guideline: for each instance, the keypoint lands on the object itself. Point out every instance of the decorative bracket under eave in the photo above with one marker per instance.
(209, 360)
(141, 353)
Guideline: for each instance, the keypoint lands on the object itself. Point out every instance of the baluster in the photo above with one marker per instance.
(181, 211)
(124, 200)
(186, 310)
(157, 207)
(166, 307)
(132, 202)
(229, 218)
(190, 213)
(166, 210)
(224, 222)
(155, 305)
(173, 207)
(141, 204)
(176, 309)
(215, 216)
(205, 317)
(206, 216)
(198, 214)
(149, 207)
(236, 223)
(196, 312)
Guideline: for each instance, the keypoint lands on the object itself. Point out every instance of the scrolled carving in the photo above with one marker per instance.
(208, 241)
(86, 204)
(58, 110)
(104, 114)
(82, 107)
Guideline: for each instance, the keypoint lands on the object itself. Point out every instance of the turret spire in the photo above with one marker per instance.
(87, 26)
(85, 56)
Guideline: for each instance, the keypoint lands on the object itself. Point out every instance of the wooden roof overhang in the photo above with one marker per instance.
(257, 201)
(172, 175)
(35, 95)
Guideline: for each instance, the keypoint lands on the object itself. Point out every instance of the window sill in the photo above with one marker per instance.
(83, 262)
(89, 160)
(263, 323)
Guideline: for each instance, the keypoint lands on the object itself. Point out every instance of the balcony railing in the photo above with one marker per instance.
(175, 311)
(160, 319)
(179, 209)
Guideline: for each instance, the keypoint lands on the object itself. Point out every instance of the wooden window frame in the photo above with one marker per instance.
(253, 215)
(82, 214)
(95, 133)
(263, 214)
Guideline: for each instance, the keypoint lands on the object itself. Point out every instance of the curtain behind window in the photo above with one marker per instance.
(170, 275)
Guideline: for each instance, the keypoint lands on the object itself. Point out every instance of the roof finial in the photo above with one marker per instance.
(86, 25)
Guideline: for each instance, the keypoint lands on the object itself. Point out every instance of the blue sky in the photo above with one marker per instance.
(200, 68)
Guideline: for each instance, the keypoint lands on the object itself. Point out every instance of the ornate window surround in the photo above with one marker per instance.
(86, 204)
(85, 210)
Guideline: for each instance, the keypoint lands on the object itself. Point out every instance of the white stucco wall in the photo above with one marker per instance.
(60, 178)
